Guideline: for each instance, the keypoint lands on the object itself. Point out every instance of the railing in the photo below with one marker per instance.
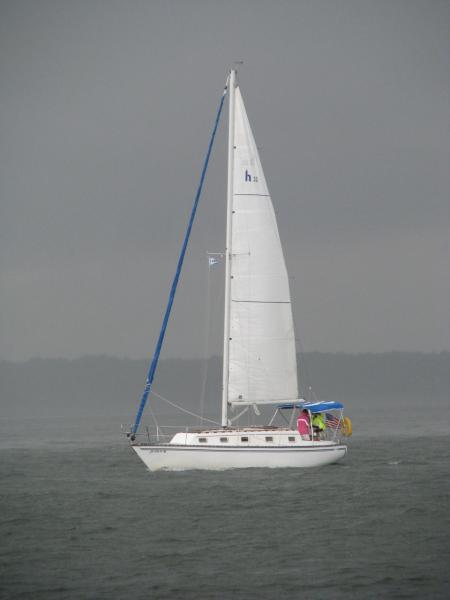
(331, 434)
(162, 434)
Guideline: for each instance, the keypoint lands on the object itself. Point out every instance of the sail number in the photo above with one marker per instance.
(249, 177)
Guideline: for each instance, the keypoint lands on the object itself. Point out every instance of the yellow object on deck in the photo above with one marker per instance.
(346, 427)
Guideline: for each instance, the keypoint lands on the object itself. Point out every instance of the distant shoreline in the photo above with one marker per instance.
(112, 385)
(84, 357)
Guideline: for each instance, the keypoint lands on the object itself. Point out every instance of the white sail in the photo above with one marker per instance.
(262, 356)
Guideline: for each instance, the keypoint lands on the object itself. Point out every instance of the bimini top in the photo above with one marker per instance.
(314, 407)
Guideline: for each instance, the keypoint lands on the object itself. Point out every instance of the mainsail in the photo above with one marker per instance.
(262, 356)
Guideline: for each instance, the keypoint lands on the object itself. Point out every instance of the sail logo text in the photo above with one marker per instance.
(249, 177)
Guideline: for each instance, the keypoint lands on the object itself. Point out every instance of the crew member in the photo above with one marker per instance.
(304, 425)
(319, 426)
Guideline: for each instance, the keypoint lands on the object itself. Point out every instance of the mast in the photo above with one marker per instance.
(228, 253)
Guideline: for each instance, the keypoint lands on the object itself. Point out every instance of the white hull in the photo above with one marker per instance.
(179, 458)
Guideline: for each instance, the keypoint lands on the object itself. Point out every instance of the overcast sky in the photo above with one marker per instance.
(106, 109)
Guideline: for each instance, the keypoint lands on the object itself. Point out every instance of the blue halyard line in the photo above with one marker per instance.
(154, 363)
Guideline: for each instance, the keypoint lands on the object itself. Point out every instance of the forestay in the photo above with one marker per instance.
(262, 355)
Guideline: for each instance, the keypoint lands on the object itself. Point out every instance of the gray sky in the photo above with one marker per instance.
(105, 113)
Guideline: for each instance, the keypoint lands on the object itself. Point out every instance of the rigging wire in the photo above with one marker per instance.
(206, 329)
(239, 415)
(214, 258)
(152, 414)
(188, 412)
(302, 364)
(154, 363)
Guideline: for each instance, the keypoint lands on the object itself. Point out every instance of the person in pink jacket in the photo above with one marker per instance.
(304, 425)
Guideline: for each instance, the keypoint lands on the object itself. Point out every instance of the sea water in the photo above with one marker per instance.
(82, 518)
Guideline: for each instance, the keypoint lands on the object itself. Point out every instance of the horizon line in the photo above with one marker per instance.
(216, 356)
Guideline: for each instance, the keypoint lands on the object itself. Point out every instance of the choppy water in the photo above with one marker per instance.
(81, 518)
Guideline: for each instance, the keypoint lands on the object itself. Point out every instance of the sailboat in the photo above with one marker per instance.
(259, 351)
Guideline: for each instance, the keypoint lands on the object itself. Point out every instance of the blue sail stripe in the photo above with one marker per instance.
(154, 362)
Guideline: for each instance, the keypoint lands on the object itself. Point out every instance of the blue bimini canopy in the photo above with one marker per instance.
(314, 407)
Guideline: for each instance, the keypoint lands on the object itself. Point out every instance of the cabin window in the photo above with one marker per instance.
(291, 438)
(224, 439)
(269, 438)
(202, 440)
(244, 439)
